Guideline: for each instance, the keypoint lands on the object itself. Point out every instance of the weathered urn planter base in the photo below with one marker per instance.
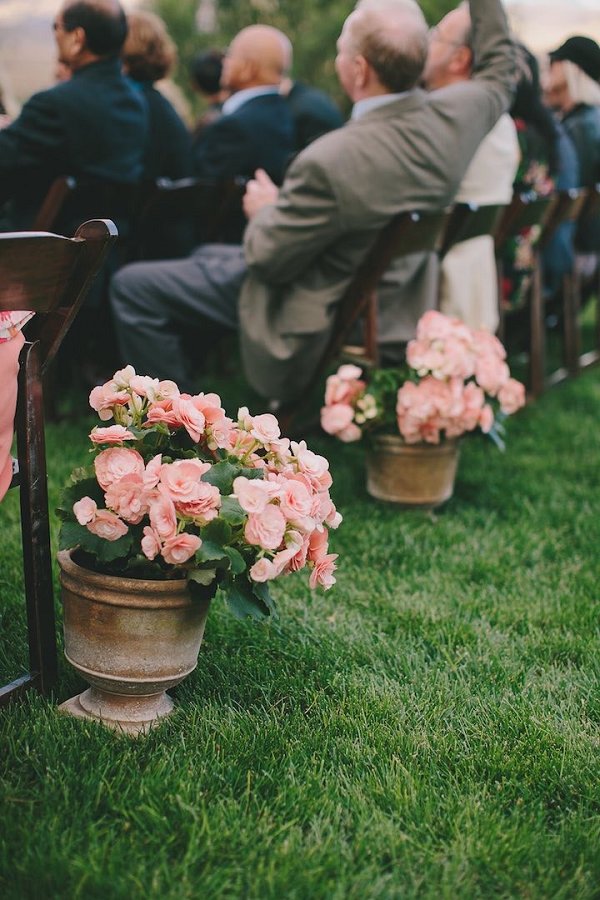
(419, 476)
(132, 640)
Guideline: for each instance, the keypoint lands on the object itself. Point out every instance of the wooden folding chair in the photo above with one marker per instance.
(566, 208)
(591, 207)
(526, 210)
(406, 233)
(176, 216)
(50, 275)
(469, 220)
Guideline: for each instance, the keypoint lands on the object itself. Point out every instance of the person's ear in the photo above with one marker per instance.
(362, 71)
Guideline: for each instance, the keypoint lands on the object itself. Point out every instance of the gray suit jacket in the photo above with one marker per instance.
(408, 154)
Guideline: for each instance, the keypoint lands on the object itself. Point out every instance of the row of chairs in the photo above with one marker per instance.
(437, 232)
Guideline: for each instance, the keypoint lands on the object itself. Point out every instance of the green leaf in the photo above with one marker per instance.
(261, 590)
(72, 534)
(251, 474)
(238, 563)
(216, 532)
(241, 600)
(221, 475)
(84, 486)
(202, 576)
(231, 511)
(209, 552)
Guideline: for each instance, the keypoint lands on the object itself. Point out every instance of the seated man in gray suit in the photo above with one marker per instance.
(403, 149)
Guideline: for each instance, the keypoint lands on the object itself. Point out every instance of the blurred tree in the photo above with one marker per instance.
(313, 26)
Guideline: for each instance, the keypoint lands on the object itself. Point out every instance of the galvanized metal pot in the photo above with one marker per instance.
(413, 475)
(132, 640)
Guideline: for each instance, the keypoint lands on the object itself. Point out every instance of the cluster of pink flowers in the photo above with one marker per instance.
(284, 502)
(459, 372)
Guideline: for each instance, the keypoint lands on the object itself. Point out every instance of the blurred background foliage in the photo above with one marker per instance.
(313, 26)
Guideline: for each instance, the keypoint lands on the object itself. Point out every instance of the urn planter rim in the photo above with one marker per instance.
(134, 585)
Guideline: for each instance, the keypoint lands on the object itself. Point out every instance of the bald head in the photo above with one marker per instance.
(391, 35)
(257, 56)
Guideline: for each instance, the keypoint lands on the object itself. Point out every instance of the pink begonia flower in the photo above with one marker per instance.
(181, 480)
(204, 507)
(163, 517)
(349, 372)
(114, 434)
(267, 529)
(122, 378)
(511, 396)
(295, 502)
(327, 512)
(253, 494)
(103, 398)
(434, 325)
(114, 463)
(313, 465)
(188, 416)
(345, 386)
(262, 570)
(322, 574)
(241, 442)
(487, 344)
(486, 418)
(127, 497)
(152, 472)
(244, 419)
(145, 386)
(336, 417)
(85, 510)
(491, 374)
(162, 411)
(178, 549)
(265, 428)
(167, 390)
(317, 545)
(218, 425)
(107, 525)
(350, 433)
(150, 543)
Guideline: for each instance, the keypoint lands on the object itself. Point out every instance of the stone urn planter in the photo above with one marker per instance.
(131, 640)
(412, 475)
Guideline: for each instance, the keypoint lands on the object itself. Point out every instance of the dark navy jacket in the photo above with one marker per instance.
(258, 135)
(93, 125)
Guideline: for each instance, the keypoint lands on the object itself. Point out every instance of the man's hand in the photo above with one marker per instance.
(260, 191)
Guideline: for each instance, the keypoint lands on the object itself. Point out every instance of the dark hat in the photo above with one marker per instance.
(583, 52)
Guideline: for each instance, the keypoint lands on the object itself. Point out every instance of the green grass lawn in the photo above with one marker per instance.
(428, 728)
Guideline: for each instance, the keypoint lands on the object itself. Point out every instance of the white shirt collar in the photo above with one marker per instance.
(367, 104)
(233, 103)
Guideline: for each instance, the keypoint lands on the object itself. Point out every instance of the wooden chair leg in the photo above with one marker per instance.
(536, 347)
(37, 558)
(371, 343)
(572, 349)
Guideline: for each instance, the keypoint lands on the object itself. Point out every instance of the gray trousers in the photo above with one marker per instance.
(156, 303)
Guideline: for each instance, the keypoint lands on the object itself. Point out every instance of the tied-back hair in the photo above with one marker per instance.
(149, 53)
(396, 54)
(528, 106)
(105, 25)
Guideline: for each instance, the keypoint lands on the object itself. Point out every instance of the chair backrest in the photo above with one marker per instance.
(525, 210)
(567, 207)
(468, 220)
(178, 215)
(50, 275)
(406, 233)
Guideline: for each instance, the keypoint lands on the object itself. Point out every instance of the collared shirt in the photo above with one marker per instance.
(367, 104)
(233, 103)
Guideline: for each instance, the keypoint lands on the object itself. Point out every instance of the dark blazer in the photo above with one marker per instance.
(258, 135)
(313, 112)
(169, 144)
(93, 125)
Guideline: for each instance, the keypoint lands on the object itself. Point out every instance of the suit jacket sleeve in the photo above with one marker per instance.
(283, 240)
(34, 137)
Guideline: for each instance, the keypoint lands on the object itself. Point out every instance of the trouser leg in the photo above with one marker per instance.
(155, 302)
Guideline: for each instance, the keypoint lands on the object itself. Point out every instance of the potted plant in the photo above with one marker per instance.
(455, 380)
(179, 503)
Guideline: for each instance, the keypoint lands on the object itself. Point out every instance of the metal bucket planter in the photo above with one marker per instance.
(412, 475)
(132, 640)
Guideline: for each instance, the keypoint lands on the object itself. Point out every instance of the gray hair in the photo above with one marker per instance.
(392, 36)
